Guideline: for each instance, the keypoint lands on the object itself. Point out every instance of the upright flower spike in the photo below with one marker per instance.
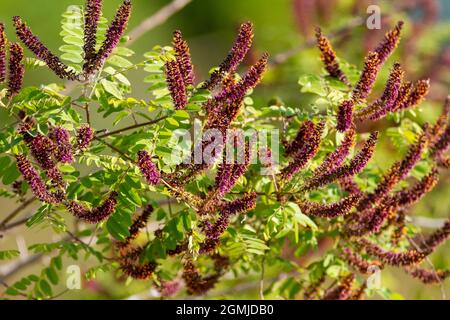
(16, 69)
(368, 76)
(37, 185)
(441, 124)
(61, 138)
(403, 96)
(335, 159)
(129, 260)
(305, 133)
(389, 43)
(442, 145)
(85, 135)
(329, 58)
(92, 15)
(308, 151)
(139, 223)
(148, 168)
(356, 165)
(237, 53)
(42, 52)
(183, 58)
(406, 258)
(345, 116)
(43, 150)
(97, 214)
(414, 154)
(382, 106)
(334, 210)
(113, 35)
(416, 95)
(176, 84)
(2, 53)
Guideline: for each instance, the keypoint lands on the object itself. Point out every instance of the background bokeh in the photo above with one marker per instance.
(280, 25)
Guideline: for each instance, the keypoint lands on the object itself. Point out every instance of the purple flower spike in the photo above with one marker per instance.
(35, 182)
(61, 138)
(42, 52)
(85, 135)
(16, 69)
(97, 214)
(91, 18)
(176, 84)
(238, 52)
(368, 77)
(148, 168)
(345, 116)
(113, 35)
(389, 43)
(183, 58)
(2, 53)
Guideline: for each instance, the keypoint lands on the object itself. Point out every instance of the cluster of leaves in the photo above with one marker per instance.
(300, 206)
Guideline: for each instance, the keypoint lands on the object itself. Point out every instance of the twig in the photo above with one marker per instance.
(13, 214)
(283, 56)
(157, 19)
(115, 149)
(131, 127)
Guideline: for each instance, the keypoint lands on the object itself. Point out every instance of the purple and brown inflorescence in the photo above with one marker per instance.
(183, 56)
(345, 116)
(41, 51)
(2, 53)
(237, 53)
(148, 168)
(113, 35)
(93, 12)
(329, 58)
(176, 84)
(34, 180)
(64, 150)
(16, 69)
(85, 135)
(97, 214)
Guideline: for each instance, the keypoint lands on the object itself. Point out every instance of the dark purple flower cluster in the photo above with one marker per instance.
(176, 84)
(333, 210)
(148, 168)
(329, 58)
(196, 284)
(368, 76)
(41, 51)
(435, 239)
(183, 56)
(85, 135)
(305, 133)
(112, 38)
(356, 165)
(129, 260)
(61, 138)
(406, 258)
(357, 262)
(237, 53)
(389, 43)
(381, 107)
(93, 12)
(336, 158)
(305, 153)
(97, 214)
(345, 116)
(429, 276)
(2, 53)
(16, 69)
(342, 291)
(34, 180)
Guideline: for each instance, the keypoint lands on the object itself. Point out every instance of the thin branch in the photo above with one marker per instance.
(157, 19)
(115, 149)
(18, 210)
(139, 125)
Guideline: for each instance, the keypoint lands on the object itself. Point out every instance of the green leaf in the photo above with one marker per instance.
(111, 88)
(9, 254)
(38, 216)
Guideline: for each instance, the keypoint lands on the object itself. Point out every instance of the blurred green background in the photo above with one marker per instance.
(280, 25)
